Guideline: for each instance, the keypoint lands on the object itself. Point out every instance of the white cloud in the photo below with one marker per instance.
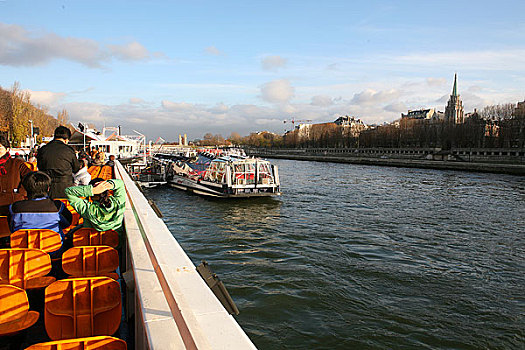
(133, 51)
(212, 50)
(176, 106)
(321, 100)
(273, 62)
(436, 82)
(277, 91)
(396, 107)
(136, 100)
(371, 97)
(46, 98)
(86, 112)
(219, 108)
(19, 47)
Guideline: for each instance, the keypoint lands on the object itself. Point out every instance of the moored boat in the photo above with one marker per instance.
(226, 176)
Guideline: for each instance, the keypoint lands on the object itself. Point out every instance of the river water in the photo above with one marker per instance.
(367, 257)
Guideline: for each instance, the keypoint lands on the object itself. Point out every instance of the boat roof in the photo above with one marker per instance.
(237, 159)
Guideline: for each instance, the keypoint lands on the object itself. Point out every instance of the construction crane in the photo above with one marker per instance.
(293, 121)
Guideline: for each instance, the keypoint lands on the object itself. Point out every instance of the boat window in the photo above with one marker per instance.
(264, 174)
(221, 171)
(250, 173)
(238, 174)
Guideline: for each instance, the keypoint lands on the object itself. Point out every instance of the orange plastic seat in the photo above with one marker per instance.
(43, 239)
(25, 268)
(82, 307)
(89, 236)
(76, 219)
(46, 240)
(90, 343)
(91, 261)
(14, 310)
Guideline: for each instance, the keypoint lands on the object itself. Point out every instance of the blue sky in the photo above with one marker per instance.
(165, 68)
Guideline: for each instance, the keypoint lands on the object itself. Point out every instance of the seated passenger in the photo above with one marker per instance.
(111, 161)
(99, 159)
(39, 211)
(82, 177)
(12, 171)
(105, 212)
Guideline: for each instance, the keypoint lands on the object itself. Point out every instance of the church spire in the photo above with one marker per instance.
(455, 88)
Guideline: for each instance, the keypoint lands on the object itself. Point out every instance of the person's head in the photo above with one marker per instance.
(4, 145)
(112, 157)
(37, 184)
(62, 133)
(102, 198)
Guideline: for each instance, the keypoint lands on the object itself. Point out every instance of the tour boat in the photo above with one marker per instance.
(225, 176)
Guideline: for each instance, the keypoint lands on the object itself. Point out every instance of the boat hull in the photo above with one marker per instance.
(204, 189)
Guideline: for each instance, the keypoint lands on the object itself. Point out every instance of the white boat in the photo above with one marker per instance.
(226, 176)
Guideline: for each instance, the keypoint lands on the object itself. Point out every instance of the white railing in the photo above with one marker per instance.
(173, 306)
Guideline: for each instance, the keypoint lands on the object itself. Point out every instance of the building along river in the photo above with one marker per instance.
(355, 256)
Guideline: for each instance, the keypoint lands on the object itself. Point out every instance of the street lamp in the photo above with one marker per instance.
(31, 140)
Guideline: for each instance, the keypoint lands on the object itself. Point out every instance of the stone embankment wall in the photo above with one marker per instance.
(508, 161)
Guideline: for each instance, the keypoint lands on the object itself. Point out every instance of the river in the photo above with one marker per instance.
(366, 257)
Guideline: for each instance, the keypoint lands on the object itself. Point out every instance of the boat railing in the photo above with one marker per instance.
(173, 306)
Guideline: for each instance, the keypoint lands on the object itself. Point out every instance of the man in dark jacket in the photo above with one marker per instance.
(59, 161)
(38, 211)
(12, 171)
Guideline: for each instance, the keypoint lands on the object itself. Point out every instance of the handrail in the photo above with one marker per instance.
(177, 306)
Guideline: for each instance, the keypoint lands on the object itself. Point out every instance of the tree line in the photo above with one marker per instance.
(497, 126)
(16, 110)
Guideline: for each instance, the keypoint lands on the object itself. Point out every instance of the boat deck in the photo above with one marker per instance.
(166, 303)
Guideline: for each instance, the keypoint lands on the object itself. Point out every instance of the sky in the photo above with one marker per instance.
(165, 68)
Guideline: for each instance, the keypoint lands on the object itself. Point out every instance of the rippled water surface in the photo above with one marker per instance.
(367, 257)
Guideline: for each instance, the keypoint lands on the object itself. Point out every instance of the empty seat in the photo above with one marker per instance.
(25, 268)
(46, 240)
(14, 310)
(89, 236)
(4, 227)
(89, 343)
(82, 307)
(89, 261)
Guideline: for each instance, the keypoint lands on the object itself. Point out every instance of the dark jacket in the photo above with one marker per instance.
(59, 161)
(11, 189)
(40, 213)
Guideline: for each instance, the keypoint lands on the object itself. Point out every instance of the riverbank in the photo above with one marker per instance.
(499, 168)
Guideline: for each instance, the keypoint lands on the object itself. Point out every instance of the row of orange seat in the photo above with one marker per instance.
(86, 306)
(27, 268)
(74, 308)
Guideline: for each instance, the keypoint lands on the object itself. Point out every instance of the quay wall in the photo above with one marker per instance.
(506, 161)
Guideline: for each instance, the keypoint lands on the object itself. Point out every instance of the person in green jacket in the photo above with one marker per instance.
(105, 212)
